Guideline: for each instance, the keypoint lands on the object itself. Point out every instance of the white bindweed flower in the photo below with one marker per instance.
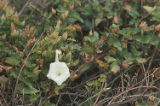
(58, 71)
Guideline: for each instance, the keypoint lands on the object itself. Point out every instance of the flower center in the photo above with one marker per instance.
(58, 73)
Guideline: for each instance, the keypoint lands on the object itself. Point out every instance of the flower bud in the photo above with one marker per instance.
(64, 36)
(64, 15)
(69, 55)
(71, 6)
(53, 11)
(15, 33)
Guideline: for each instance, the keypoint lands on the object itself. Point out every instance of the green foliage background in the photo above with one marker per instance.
(103, 36)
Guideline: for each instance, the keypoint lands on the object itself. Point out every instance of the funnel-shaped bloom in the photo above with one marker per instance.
(58, 71)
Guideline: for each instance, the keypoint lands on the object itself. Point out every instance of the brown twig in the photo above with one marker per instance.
(3, 98)
(150, 63)
(83, 82)
(90, 98)
(59, 98)
(146, 75)
(87, 62)
(21, 69)
(125, 71)
(102, 87)
(115, 97)
(26, 4)
(52, 94)
(80, 68)
(132, 97)
(97, 94)
(122, 84)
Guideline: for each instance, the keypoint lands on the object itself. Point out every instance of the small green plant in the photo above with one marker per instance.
(97, 38)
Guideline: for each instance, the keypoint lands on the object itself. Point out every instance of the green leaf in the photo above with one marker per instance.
(149, 9)
(134, 13)
(28, 64)
(48, 103)
(12, 61)
(60, 87)
(155, 40)
(89, 89)
(116, 43)
(143, 39)
(61, 9)
(108, 9)
(156, 16)
(98, 21)
(27, 82)
(33, 98)
(30, 74)
(145, 104)
(78, 2)
(93, 38)
(148, 39)
(110, 59)
(86, 67)
(29, 91)
(127, 54)
(88, 49)
(43, 85)
(74, 16)
(141, 60)
(115, 68)
(135, 51)
(128, 32)
(20, 87)
(76, 47)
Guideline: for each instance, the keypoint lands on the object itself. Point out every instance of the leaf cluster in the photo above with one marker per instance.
(103, 36)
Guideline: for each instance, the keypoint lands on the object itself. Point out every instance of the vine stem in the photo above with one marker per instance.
(23, 8)
(21, 69)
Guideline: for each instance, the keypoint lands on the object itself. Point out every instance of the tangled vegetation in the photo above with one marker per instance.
(110, 46)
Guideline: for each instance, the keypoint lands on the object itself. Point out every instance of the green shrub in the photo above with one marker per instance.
(107, 36)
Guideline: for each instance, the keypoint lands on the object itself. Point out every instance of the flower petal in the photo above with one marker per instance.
(58, 67)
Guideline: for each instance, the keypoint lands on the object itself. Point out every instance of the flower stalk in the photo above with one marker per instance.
(58, 71)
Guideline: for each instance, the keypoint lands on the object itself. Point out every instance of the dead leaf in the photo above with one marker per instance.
(157, 28)
(3, 79)
(128, 8)
(143, 25)
(115, 68)
(115, 19)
